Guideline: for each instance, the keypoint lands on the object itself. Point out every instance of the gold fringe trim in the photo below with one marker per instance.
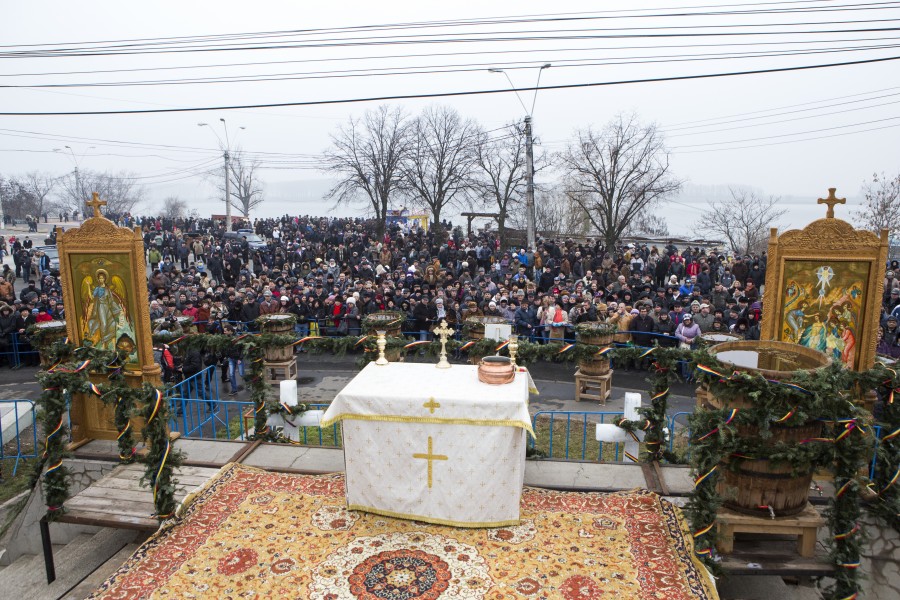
(431, 420)
(432, 520)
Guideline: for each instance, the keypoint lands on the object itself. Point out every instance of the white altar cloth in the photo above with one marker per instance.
(434, 445)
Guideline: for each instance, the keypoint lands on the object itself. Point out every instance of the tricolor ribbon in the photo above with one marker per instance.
(95, 389)
(706, 529)
(705, 369)
(790, 414)
(260, 408)
(847, 429)
(703, 477)
(358, 342)
(843, 489)
(309, 337)
(162, 464)
(467, 345)
(176, 340)
(659, 395)
(891, 435)
(891, 482)
(156, 407)
(566, 348)
(846, 534)
(124, 430)
(629, 456)
(501, 346)
(852, 565)
(704, 552)
(414, 344)
(604, 351)
(51, 434)
(647, 353)
(53, 467)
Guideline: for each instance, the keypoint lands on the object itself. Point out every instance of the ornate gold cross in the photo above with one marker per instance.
(96, 203)
(430, 457)
(431, 405)
(831, 200)
(443, 332)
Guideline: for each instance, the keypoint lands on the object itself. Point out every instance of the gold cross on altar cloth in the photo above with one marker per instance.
(831, 200)
(96, 203)
(431, 405)
(430, 457)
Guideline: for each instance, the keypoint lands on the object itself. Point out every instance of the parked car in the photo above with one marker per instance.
(53, 253)
(254, 241)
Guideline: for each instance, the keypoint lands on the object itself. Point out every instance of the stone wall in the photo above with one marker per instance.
(881, 561)
(24, 536)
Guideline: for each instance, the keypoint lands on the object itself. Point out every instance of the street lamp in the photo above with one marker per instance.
(226, 154)
(78, 191)
(529, 155)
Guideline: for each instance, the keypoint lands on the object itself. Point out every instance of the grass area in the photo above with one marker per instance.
(331, 436)
(583, 444)
(12, 485)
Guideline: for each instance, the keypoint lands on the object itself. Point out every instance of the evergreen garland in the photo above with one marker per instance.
(161, 458)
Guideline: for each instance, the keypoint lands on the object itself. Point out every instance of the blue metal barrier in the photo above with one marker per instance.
(585, 419)
(12, 426)
(202, 386)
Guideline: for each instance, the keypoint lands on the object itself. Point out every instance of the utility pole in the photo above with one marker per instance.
(529, 186)
(227, 190)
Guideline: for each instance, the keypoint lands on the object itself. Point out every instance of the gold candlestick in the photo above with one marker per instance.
(382, 342)
(513, 348)
(443, 332)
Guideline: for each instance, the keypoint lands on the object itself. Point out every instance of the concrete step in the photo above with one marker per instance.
(74, 562)
(12, 573)
(93, 581)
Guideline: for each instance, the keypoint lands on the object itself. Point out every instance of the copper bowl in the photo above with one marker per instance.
(496, 370)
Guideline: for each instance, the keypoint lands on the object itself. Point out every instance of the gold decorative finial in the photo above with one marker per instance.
(443, 333)
(96, 203)
(831, 200)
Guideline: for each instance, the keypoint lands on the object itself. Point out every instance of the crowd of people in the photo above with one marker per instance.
(331, 272)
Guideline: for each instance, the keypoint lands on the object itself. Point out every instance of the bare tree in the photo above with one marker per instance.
(618, 173)
(39, 186)
(648, 224)
(366, 156)
(744, 220)
(882, 207)
(121, 191)
(246, 188)
(556, 213)
(501, 174)
(438, 169)
(174, 207)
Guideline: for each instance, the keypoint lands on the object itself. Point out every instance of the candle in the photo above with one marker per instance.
(289, 392)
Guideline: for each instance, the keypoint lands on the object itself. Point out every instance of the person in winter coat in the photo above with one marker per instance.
(687, 334)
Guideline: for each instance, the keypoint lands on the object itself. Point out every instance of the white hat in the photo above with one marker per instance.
(351, 300)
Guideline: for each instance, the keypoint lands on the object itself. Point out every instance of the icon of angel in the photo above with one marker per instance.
(105, 313)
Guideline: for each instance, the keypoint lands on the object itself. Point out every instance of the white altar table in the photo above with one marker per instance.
(434, 445)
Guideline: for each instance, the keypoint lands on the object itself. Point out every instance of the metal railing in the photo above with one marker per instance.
(583, 425)
(203, 386)
(18, 349)
(16, 423)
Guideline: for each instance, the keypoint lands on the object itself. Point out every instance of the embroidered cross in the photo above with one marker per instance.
(430, 457)
(431, 405)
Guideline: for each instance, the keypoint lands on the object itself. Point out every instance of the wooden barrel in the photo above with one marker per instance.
(595, 333)
(753, 485)
(475, 325)
(594, 367)
(51, 331)
(391, 322)
(278, 324)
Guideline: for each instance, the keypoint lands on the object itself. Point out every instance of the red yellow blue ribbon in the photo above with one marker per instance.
(843, 489)
(95, 389)
(659, 395)
(467, 345)
(124, 430)
(566, 348)
(704, 552)
(414, 344)
(51, 434)
(891, 435)
(706, 529)
(846, 534)
(358, 342)
(891, 482)
(647, 353)
(703, 477)
(54, 467)
(159, 471)
(156, 407)
(307, 338)
(501, 346)
(790, 414)
(630, 457)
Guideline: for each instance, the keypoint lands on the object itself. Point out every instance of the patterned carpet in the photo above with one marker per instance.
(252, 533)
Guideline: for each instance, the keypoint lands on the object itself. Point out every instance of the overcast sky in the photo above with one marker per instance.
(792, 134)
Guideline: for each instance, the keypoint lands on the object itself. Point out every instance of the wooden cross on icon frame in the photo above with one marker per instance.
(96, 203)
(831, 200)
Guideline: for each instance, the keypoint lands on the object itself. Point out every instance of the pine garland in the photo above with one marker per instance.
(162, 458)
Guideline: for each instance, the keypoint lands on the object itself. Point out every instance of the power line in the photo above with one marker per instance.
(454, 94)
